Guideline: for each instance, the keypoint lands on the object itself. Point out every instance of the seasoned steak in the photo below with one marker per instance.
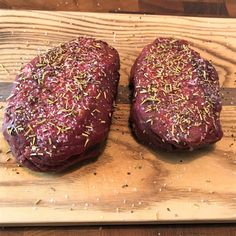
(60, 108)
(176, 102)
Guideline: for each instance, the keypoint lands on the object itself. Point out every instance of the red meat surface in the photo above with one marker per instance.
(60, 108)
(176, 102)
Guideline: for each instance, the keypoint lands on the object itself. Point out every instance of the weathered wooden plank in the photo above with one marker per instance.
(128, 182)
(24, 34)
(133, 184)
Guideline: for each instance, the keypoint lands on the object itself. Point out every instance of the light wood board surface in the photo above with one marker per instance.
(128, 183)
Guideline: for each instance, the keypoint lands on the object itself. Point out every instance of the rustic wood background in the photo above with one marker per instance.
(218, 8)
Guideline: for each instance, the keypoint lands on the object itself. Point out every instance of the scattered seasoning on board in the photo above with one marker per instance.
(9, 151)
(4, 68)
(37, 202)
(125, 186)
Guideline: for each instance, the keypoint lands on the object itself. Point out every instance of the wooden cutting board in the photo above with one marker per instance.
(129, 183)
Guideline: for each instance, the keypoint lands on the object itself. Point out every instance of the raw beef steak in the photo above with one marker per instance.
(176, 102)
(60, 108)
